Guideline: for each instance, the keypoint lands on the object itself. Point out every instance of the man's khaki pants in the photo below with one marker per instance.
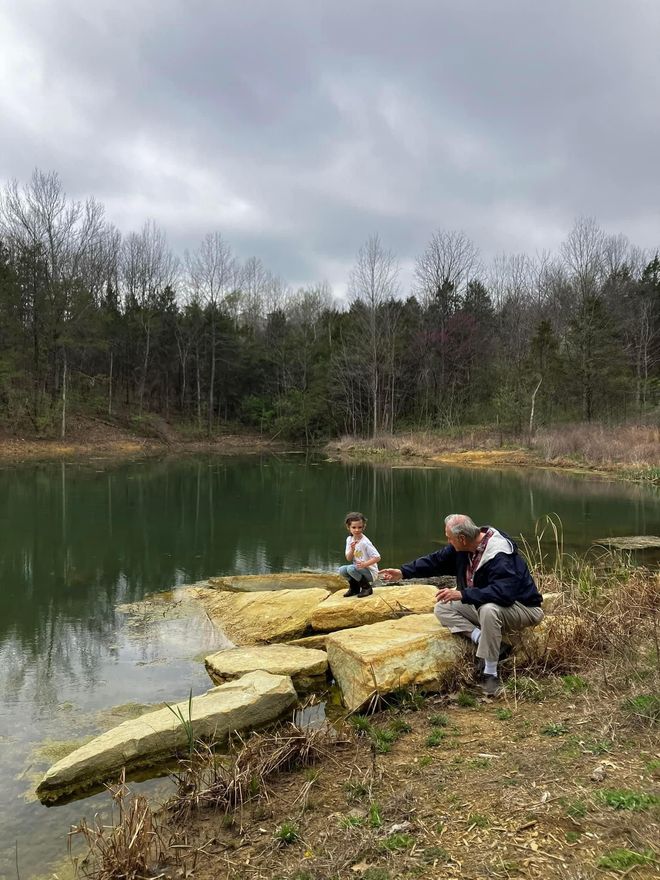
(493, 620)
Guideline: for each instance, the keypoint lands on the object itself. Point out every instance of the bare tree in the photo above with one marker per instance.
(147, 268)
(583, 255)
(442, 271)
(449, 261)
(67, 236)
(211, 272)
(373, 281)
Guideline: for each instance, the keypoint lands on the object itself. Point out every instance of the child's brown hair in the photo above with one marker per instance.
(352, 517)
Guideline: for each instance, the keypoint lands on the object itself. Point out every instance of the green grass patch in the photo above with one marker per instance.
(398, 842)
(478, 820)
(466, 700)
(598, 746)
(440, 719)
(623, 799)
(480, 763)
(574, 684)
(287, 833)
(361, 724)
(554, 729)
(624, 859)
(504, 714)
(400, 725)
(383, 740)
(643, 707)
(575, 809)
(435, 738)
(406, 700)
(375, 818)
(352, 821)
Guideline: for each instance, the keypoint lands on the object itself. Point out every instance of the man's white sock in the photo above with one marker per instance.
(475, 634)
(490, 667)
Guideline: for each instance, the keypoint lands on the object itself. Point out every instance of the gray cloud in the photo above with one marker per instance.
(297, 129)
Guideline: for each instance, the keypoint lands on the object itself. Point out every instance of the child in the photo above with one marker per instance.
(362, 557)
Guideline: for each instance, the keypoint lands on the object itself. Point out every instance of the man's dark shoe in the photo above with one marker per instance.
(353, 590)
(491, 685)
(365, 591)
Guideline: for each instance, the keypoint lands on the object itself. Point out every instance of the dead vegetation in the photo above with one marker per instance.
(626, 450)
(131, 847)
(206, 781)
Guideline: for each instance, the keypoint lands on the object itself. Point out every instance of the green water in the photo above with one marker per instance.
(76, 541)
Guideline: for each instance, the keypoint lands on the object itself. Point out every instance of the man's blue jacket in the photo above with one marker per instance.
(502, 578)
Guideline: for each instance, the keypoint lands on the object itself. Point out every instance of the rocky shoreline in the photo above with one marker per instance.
(369, 647)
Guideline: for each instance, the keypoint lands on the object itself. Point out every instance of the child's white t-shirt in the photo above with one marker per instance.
(364, 549)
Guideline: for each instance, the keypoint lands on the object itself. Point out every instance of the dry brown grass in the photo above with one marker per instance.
(131, 847)
(605, 605)
(228, 784)
(630, 445)
(628, 448)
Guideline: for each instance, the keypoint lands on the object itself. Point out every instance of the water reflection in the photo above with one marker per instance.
(76, 542)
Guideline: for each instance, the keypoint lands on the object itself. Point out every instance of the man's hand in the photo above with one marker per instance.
(447, 595)
(390, 574)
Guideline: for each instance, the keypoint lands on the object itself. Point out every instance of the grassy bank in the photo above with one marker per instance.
(628, 451)
(557, 779)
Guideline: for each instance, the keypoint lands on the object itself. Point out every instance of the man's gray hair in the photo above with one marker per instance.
(461, 524)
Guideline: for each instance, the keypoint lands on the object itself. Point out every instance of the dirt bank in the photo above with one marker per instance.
(94, 438)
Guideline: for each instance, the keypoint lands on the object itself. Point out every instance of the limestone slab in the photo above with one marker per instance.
(253, 618)
(251, 701)
(337, 612)
(306, 667)
(382, 657)
(257, 583)
(316, 641)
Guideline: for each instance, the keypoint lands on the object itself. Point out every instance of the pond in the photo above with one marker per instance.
(77, 541)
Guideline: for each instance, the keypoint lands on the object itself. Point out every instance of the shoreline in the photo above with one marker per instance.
(93, 440)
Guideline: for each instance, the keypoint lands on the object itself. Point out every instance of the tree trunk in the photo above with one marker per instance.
(531, 412)
(110, 384)
(64, 366)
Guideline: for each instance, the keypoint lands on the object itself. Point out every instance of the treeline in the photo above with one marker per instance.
(119, 326)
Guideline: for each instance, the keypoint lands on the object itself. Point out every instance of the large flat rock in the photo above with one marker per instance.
(257, 583)
(382, 657)
(307, 668)
(253, 618)
(386, 603)
(251, 701)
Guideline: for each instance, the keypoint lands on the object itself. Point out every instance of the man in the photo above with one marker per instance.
(496, 593)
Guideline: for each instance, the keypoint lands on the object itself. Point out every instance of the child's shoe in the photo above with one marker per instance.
(366, 590)
(353, 590)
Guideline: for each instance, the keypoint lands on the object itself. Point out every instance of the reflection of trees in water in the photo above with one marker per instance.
(75, 542)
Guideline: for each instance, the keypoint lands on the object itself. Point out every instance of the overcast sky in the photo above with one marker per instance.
(297, 128)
